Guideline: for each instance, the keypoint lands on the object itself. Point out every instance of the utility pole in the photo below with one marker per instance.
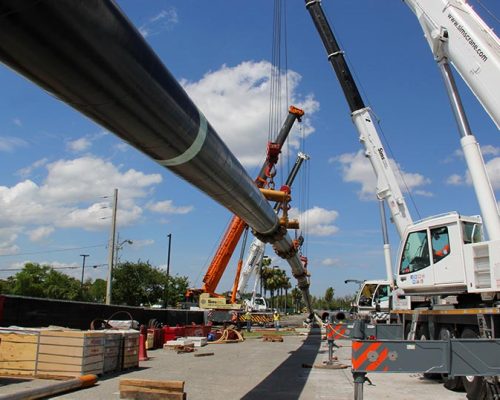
(168, 269)
(83, 266)
(111, 248)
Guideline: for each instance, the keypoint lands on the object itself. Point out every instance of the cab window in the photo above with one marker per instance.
(473, 233)
(440, 243)
(415, 253)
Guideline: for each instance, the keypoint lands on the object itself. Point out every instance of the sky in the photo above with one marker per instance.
(58, 168)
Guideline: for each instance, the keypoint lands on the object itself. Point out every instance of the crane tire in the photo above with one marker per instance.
(475, 386)
(455, 384)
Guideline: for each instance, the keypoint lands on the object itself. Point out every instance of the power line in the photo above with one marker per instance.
(51, 251)
(75, 267)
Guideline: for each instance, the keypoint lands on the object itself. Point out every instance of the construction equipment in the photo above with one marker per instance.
(105, 69)
(444, 263)
(457, 34)
(236, 227)
(256, 252)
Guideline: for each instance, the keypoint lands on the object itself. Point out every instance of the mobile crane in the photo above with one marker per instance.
(236, 226)
(257, 247)
(443, 261)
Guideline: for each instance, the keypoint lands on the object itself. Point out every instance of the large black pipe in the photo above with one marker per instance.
(89, 55)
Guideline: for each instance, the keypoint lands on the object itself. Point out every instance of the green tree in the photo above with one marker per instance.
(43, 281)
(140, 283)
(297, 299)
(96, 291)
(176, 289)
(136, 284)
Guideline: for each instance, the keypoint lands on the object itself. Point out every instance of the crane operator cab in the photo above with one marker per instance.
(433, 256)
(372, 296)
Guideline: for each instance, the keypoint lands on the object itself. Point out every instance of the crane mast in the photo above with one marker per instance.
(256, 252)
(387, 185)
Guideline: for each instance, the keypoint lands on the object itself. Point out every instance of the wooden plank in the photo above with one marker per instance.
(17, 351)
(150, 394)
(72, 341)
(18, 337)
(58, 359)
(70, 350)
(72, 333)
(154, 384)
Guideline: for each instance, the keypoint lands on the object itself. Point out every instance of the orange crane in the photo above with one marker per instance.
(237, 225)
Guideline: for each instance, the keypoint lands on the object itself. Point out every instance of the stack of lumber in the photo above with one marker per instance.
(51, 352)
(70, 353)
(18, 351)
(144, 389)
(64, 352)
(130, 357)
(113, 344)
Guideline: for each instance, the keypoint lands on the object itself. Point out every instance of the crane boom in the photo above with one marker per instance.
(363, 118)
(236, 226)
(256, 252)
(471, 46)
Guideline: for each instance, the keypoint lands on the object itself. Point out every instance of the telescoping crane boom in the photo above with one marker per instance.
(105, 69)
(236, 226)
(456, 33)
(256, 252)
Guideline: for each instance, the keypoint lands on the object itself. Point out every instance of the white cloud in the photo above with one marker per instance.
(489, 150)
(167, 207)
(17, 122)
(143, 242)
(164, 20)
(424, 193)
(329, 262)
(8, 237)
(492, 168)
(455, 179)
(79, 145)
(357, 168)
(236, 102)
(40, 233)
(26, 171)
(8, 143)
(71, 196)
(316, 221)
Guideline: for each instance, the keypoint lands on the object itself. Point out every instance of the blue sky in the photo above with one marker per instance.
(58, 167)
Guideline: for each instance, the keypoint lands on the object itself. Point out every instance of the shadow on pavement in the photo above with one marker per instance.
(288, 380)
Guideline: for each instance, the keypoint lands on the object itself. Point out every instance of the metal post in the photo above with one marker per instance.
(83, 265)
(359, 380)
(111, 252)
(387, 246)
(168, 269)
(473, 156)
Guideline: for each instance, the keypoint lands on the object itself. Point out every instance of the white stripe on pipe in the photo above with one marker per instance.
(193, 150)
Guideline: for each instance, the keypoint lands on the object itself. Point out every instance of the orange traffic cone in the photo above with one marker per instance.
(143, 337)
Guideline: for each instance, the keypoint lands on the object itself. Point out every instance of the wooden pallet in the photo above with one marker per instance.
(144, 389)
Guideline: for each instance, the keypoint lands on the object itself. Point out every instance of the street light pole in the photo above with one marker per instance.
(83, 265)
(168, 268)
